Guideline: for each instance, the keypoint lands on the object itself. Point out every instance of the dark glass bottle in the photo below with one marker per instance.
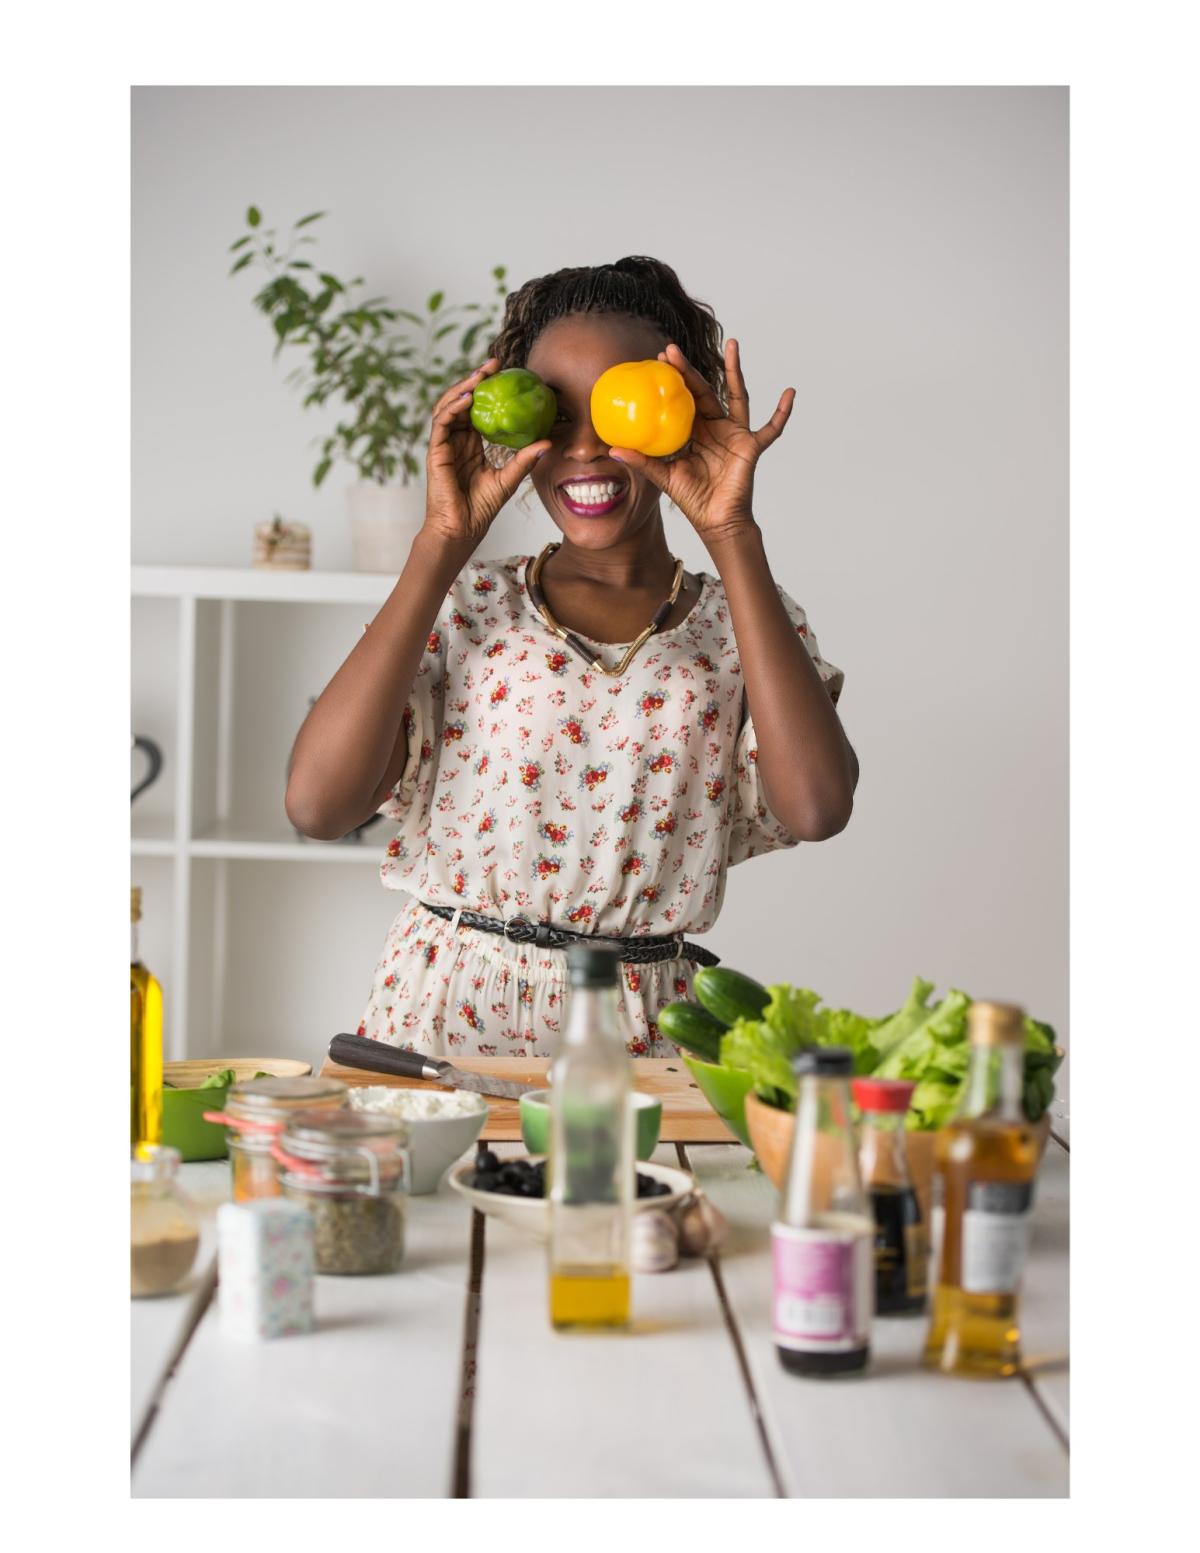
(901, 1243)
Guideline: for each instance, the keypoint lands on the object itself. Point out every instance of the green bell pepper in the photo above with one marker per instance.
(513, 408)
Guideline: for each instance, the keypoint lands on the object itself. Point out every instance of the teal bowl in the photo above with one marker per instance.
(535, 1122)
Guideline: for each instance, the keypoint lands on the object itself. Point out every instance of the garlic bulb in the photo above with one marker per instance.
(702, 1228)
(655, 1242)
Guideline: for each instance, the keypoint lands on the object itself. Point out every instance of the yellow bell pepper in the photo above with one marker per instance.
(644, 405)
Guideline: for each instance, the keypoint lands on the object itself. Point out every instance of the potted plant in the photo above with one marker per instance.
(385, 366)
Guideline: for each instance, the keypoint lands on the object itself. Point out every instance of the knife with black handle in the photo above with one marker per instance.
(356, 1051)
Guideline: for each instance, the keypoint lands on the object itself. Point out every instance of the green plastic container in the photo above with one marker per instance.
(184, 1127)
(725, 1089)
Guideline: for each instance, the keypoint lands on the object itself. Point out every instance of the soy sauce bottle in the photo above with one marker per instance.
(901, 1244)
(821, 1244)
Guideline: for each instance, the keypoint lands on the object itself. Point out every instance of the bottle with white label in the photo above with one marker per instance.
(822, 1243)
(987, 1157)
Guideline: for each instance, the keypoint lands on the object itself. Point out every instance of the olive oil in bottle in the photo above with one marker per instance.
(590, 1171)
(987, 1157)
(145, 1041)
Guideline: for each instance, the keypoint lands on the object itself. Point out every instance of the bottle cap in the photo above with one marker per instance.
(135, 902)
(591, 965)
(882, 1094)
(995, 1024)
(824, 1061)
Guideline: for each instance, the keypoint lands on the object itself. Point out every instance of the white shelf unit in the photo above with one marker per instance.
(212, 831)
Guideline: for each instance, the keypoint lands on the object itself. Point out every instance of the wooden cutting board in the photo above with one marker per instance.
(687, 1115)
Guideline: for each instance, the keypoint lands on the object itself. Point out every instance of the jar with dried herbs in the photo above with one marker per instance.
(350, 1169)
(256, 1112)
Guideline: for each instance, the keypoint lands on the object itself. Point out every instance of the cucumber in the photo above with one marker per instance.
(728, 995)
(694, 1028)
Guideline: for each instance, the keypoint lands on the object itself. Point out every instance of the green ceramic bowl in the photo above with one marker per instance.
(184, 1104)
(535, 1122)
(725, 1089)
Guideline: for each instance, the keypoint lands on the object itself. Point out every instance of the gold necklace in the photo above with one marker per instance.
(538, 598)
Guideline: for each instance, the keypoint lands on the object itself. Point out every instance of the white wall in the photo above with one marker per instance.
(899, 255)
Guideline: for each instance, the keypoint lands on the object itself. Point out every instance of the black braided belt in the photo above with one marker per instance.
(634, 951)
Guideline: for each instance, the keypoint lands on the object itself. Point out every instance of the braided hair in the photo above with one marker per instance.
(637, 287)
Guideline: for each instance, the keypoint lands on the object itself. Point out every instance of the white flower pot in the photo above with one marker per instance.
(384, 521)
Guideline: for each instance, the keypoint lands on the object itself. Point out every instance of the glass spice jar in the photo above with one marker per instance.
(256, 1112)
(164, 1230)
(350, 1169)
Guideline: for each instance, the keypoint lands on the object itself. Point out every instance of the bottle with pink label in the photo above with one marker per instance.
(822, 1243)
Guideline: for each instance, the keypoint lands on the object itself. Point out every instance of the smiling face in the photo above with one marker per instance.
(594, 500)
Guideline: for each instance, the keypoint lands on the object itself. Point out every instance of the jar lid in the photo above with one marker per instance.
(995, 1024)
(882, 1094)
(315, 1134)
(268, 1101)
(824, 1061)
(153, 1162)
(592, 965)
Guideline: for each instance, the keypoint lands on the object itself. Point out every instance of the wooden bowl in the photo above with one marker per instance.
(771, 1139)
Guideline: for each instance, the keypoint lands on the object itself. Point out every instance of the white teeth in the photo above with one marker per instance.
(593, 493)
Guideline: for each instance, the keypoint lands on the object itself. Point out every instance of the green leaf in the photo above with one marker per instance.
(299, 264)
(241, 242)
(445, 330)
(247, 258)
(305, 220)
(253, 216)
(435, 301)
(500, 272)
(321, 470)
(331, 281)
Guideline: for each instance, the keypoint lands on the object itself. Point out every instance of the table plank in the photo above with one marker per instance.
(687, 1115)
(366, 1405)
(898, 1431)
(659, 1411)
(157, 1327)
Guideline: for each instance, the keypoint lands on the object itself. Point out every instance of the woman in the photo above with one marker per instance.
(548, 787)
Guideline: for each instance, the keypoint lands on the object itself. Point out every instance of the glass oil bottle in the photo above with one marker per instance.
(590, 1169)
(987, 1157)
(822, 1240)
(145, 1040)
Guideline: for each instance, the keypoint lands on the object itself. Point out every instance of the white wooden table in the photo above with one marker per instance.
(446, 1379)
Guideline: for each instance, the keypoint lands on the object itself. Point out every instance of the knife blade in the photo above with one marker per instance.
(356, 1051)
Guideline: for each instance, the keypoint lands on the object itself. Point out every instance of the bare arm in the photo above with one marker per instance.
(352, 748)
(806, 766)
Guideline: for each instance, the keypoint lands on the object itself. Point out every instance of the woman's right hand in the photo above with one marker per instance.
(463, 492)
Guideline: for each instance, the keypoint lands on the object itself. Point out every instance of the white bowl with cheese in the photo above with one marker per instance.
(441, 1127)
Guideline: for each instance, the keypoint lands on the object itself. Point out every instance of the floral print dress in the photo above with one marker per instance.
(538, 787)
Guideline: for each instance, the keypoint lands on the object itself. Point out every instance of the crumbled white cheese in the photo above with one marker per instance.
(416, 1104)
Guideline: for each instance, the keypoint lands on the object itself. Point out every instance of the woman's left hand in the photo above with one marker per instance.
(711, 478)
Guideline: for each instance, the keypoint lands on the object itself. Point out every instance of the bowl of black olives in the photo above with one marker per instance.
(515, 1189)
